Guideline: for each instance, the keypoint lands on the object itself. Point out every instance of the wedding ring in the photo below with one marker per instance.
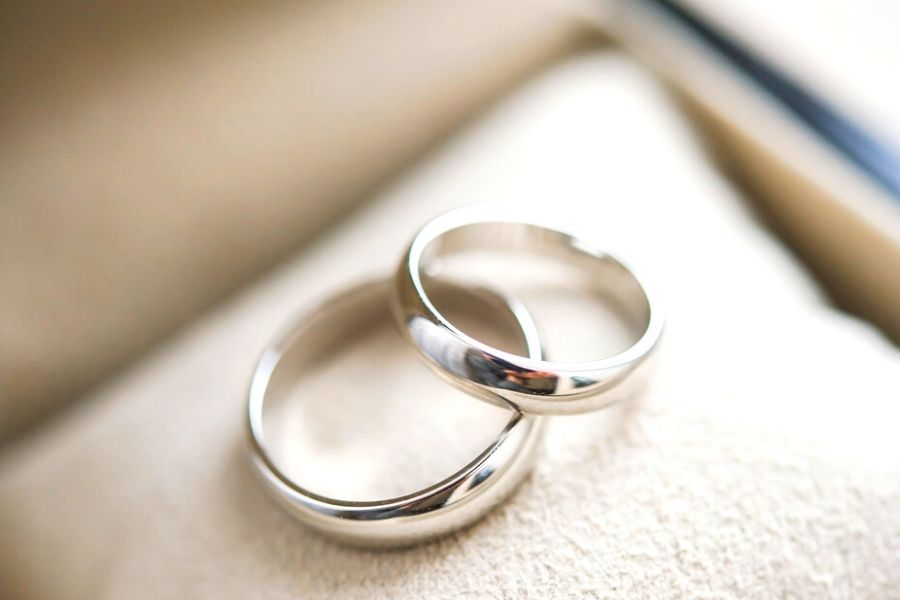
(533, 385)
(436, 510)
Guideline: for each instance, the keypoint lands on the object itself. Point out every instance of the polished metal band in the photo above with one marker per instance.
(448, 505)
(534, 385)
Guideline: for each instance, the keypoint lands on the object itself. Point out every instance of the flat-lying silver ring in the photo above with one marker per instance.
(441, 508)
(533, 385)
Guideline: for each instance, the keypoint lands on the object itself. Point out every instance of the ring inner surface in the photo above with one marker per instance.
(542, 259)
(351, 412)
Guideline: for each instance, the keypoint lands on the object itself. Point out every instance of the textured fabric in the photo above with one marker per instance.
(155, 156)
(762, 461)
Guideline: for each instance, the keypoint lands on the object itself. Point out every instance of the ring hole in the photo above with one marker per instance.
(571, 299)
(353, 413)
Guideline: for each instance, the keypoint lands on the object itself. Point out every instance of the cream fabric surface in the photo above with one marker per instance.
(156, 156)
(762, 461)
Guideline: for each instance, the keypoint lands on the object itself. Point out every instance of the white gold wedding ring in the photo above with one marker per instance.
(533, 385)
(436, 510)
(517, 378)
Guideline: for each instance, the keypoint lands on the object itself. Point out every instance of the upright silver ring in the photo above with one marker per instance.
(533, 385)
(439, 509)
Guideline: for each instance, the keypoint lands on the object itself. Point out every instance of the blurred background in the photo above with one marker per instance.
(156, 157)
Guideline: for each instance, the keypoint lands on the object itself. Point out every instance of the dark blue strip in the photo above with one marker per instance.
(877, 159)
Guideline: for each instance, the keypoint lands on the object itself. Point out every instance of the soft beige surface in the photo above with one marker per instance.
(155, 156)
(761, 463)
